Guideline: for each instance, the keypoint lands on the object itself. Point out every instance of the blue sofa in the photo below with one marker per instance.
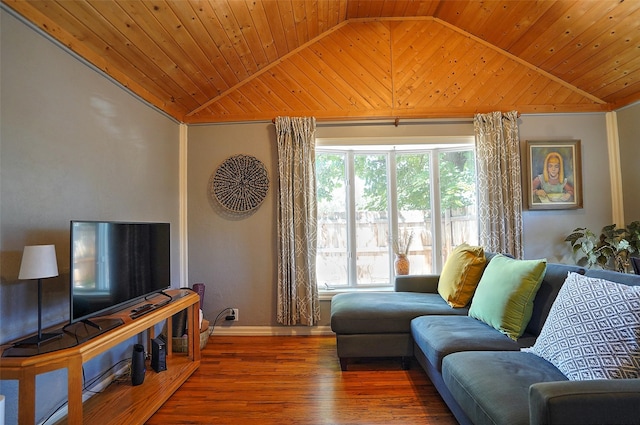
(481, 374)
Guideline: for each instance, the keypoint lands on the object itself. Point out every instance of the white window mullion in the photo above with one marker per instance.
(392, 204)
(436, 219)
(351, 220)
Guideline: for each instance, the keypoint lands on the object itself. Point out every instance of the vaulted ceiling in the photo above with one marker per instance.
(204, 61)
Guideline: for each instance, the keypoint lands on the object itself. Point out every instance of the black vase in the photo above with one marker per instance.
(137, 365)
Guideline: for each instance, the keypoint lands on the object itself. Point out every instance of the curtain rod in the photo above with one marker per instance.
(396, 121)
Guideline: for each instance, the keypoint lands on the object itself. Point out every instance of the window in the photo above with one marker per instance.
(367, 196)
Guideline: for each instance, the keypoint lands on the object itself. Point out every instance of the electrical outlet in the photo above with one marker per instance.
(234, 312)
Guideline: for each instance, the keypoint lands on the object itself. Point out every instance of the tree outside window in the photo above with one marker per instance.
(365, 199)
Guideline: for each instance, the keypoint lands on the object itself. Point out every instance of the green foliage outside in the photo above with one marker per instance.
(372, 169)
(414, 182)
(457, 179)
(330, 174)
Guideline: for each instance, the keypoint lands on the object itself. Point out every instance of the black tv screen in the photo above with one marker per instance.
(114, 264)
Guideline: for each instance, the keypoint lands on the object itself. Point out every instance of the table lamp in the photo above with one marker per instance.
(39, 262)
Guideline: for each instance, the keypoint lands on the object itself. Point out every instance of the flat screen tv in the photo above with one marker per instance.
(115, 264)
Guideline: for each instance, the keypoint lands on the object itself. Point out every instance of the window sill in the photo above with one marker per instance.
(327, 294)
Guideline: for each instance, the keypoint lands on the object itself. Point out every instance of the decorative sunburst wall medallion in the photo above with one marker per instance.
(240, 184)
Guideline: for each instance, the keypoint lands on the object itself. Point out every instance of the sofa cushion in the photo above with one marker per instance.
(461, 273)
(493, 387)
(593, 330)
(505, 294)
(438, 336)
(384, 312)
(626, 278)
(554, 278)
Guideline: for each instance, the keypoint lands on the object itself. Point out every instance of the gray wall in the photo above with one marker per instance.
(544, 231)
(73, 145)
(235, 256)
(629, 133)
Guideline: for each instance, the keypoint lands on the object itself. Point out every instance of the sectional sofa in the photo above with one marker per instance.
(494, 363)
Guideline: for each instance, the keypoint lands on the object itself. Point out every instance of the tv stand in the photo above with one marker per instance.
(134, 404)
(165, 301)
(92, 324)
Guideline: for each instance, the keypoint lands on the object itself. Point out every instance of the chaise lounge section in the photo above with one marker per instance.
(377, 324)
(483, 374)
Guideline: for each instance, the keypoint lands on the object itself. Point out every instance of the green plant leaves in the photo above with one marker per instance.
(611, 249)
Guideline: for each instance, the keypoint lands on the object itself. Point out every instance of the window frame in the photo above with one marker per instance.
(391, 147)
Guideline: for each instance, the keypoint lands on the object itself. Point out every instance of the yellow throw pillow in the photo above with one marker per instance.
(461, 273)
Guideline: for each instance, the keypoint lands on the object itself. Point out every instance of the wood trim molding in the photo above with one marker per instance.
(182, 195)
(615, 173)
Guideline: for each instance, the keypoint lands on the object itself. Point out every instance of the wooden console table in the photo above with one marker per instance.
(118, 403)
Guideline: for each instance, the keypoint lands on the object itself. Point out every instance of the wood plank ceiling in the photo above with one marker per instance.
(205, 61)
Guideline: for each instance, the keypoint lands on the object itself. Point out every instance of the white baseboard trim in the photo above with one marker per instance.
(272, 331)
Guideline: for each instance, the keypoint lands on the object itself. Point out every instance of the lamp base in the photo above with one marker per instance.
(37, 340)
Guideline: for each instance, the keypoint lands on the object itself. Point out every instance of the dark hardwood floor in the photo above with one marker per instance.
(297, 380)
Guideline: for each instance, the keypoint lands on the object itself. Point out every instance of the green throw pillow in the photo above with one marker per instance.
(504, 297)
(461, 274)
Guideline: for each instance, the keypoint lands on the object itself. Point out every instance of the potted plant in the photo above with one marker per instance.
(611, 249)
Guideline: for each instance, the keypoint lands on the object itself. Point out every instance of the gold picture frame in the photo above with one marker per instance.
(553, 174)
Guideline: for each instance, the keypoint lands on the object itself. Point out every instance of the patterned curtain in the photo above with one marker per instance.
(298, 302)
(499, 182)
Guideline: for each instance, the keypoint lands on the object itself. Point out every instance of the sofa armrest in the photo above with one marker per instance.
(427, 283)
(611, 401)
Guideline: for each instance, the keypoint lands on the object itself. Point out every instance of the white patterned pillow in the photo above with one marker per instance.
(593, 330)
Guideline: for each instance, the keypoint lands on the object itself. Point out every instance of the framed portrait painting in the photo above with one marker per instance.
(553, 175)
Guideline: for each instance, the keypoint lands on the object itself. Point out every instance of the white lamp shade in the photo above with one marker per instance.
(38, 262)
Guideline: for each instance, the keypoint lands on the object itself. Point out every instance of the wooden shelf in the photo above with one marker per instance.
(120, 402)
